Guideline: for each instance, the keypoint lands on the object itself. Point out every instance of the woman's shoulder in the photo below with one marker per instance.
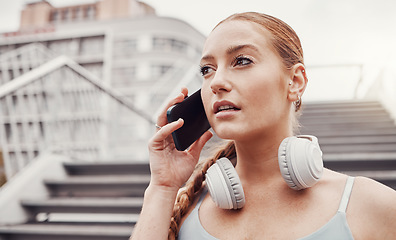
(366, 193)
(362, 187)
(372, 210)
(377, 198)
(373, 195)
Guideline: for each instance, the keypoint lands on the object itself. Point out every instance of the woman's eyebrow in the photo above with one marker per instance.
(207, 57)
(231, 50)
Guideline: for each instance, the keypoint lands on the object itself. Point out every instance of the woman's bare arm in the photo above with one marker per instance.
(156, 214)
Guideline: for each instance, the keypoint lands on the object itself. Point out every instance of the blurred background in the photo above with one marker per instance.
(82, 81)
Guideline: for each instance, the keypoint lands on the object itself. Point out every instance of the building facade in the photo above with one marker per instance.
(123, 43)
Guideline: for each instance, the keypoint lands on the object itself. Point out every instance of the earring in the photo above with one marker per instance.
(297, 103)
(291, 82)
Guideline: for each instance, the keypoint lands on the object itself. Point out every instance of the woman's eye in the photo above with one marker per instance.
(205, 70)
(242, 61)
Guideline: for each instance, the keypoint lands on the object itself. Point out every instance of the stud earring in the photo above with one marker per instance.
(291, 82)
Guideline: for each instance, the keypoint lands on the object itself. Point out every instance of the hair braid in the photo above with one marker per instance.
(193, 187)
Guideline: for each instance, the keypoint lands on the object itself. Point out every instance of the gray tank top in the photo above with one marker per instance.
(336, 228)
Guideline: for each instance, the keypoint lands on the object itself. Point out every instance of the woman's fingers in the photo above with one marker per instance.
(162, 120)
(160, 140)
(198, 145)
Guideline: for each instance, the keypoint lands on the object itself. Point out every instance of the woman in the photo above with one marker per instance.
(253, 72)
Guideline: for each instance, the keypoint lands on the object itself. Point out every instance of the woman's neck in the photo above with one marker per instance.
(257, 160)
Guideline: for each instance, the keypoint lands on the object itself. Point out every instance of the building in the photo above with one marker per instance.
(42, 14)
(124, 44)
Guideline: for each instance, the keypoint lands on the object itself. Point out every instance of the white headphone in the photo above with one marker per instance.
(300, 162)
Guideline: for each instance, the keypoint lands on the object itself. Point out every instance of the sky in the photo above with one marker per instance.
(331, 31)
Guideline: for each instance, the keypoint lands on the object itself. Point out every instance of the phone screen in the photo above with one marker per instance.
(192, 111)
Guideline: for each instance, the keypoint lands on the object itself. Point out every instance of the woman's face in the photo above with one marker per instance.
(245, 84)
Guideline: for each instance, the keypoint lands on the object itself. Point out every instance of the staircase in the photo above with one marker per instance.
(103, 200)
(357, 138)
(95, 201)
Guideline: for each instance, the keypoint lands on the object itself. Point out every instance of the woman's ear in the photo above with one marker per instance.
(298, 82)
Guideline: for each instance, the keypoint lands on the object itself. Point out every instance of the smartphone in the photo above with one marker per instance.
(192, 111)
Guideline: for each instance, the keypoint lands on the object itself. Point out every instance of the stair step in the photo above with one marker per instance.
(360, 161)
(342, 111)
(348, 105)
(356, 157)
(358, 148)
(84, 205)
(66, 232)
(347, 126)
(107, 168)
(87, 218)
(349, 133)
(320, 114)
(376, 139)
(104, 186)
(325, 120)
(358, 144)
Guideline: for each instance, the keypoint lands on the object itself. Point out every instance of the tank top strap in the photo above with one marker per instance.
(346, 195)
(201, 198)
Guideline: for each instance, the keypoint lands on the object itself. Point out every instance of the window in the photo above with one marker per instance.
(67, 14)
(55, 16)
(78, 14)
(159, 70)
(125, 47)
(179, 46)
(169, 44)
(90, 12)
(92, 45)
(8, 132)
(64, 46)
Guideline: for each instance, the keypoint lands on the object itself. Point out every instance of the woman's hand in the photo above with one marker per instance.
(171, 168)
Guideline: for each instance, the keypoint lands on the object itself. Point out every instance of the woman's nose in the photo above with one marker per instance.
(220, 82)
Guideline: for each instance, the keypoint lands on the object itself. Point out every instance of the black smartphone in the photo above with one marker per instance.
(192, 111)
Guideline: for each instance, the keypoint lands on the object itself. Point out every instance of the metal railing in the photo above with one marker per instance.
(61, 105)
(333, 81)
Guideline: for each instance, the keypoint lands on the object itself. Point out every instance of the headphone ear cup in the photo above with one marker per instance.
(283, 160)
(300, 161)
(224, 185)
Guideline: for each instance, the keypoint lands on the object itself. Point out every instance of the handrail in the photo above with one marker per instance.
(383, 89)
(58, 62)
(111, 92)
(360, 66)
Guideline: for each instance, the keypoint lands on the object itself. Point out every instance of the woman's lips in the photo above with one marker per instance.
(224, 106)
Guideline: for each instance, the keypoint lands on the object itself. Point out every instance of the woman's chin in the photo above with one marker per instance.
(229, 133)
